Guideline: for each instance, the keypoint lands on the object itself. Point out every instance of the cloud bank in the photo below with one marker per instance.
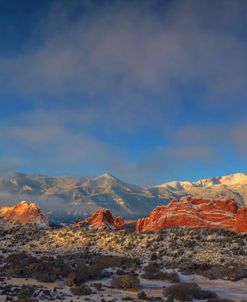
(103, 77)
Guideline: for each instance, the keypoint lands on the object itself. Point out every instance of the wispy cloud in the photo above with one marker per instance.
(120, 68)
(132, 59)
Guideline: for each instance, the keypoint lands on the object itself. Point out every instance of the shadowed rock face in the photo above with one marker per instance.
(24, 212)
(197, 213)
(104, 219)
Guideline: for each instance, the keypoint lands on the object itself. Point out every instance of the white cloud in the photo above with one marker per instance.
(130, 59)
(127, 67)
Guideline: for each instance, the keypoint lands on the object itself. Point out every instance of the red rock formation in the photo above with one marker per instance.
(104, 219)
(24, 212)
(197, 213)
(241, 221)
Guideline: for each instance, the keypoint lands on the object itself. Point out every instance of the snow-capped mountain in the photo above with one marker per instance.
(72, 198)
(233, 186)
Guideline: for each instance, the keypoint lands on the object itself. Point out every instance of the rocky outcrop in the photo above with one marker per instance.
(196, 213)
(24, 212)
(241, 220)
(104, 219)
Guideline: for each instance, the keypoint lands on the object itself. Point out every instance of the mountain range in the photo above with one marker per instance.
(71, 198)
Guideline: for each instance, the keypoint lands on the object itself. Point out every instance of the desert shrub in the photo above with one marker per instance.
(219, 300)
(77, 277)
(111, 261)
(152, 272)
(153, 256)
(98, 286)
(25, 300)
(189, 243)
(187, 292)
(95, 271)
(159, 237)
(45, 277)
(234, 272)
(171, 276)
(81, 291)
(120, 272)
(142, 296)
(25, 292)
(126, 282)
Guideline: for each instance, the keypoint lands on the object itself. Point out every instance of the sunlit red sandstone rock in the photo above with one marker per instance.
(104, 219)
(24, 212)
(197, 213)
(241, 220)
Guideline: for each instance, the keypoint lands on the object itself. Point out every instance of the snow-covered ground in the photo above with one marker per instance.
(237, 291)
(185, 251)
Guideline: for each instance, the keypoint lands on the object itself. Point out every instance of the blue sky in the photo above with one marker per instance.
(150, 91)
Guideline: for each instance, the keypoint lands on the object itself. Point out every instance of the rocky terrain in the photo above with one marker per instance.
(85, 262)
(24, 212)
(103, 219)
(189, 250)
(196, 213)
(66, 199)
